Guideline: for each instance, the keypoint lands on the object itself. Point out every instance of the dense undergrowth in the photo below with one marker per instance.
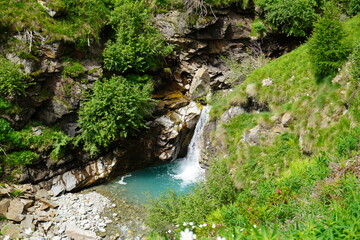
(299, 178)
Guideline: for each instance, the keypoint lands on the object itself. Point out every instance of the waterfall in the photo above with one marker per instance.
(188, 168)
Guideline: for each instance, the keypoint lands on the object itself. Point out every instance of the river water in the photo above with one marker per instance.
(179, 175)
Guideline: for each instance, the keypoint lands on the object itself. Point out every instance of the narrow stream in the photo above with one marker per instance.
(178, 175)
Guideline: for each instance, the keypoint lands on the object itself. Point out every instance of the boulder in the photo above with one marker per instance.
(49, 203)
(15, 211)
(76, 233)
(12, 230)
(286, 119)
(4, 205)
(27, 203)
(230, 113)
(42, 194)
(200, 84)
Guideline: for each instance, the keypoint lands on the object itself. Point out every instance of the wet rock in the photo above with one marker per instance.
(12, 230)
(200, 85)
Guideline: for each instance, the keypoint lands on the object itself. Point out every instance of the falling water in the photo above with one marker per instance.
(188, 168)
(178, 175)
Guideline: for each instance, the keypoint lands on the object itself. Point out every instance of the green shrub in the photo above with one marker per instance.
(137, 45)
(328, 49)
(293, 17)
(12, 80)
(115, 109)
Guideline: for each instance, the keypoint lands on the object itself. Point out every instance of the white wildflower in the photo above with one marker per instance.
(191, 223)
(255, 226)
(169, 231)
(187, 235)
(185, 224)
(7, 237)
(220, 238)
(213, 225)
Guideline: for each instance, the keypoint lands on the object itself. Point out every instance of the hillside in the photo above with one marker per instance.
(292, 153)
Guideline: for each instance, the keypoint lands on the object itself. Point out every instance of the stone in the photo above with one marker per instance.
(200, 84)
(28, 223)
(4, 205)
(49, 203)
(42, 193)
(27, 203)
(12, 230)
(4, 192)
(76, 233)
(251, 90)
(267, 82)
(286, 119)
(252, 136)
(53, 50)
(230, 113)
(15, 211)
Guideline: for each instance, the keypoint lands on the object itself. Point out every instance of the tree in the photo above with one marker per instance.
(115, 109)
(328, 49)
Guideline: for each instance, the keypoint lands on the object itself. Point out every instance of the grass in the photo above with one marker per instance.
(301, 182)
(80, 21)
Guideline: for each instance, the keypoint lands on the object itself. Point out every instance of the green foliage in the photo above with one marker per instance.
(352, 7)
(77, 20)
(115, 109)
(12, 80)
(73, 69)
(293, 17)
(328, 49)
(138, 45)
(355, 62)
(51, 141)
(171, 209)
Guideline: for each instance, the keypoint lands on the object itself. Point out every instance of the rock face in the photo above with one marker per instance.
(200, 85)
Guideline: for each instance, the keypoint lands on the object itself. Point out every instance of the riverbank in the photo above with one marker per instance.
(35, 214)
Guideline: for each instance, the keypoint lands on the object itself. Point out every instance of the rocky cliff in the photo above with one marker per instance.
(61, 73)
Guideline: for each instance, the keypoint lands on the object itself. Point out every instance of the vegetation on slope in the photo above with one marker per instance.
(300, 182)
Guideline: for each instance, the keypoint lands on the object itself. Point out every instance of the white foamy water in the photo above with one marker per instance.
(121, 181)
(188, 169)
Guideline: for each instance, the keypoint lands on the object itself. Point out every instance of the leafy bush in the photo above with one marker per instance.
(328, 49)
(115, 109)
(12, 80)
(293, 17)
(79, 21)
(138, 45)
